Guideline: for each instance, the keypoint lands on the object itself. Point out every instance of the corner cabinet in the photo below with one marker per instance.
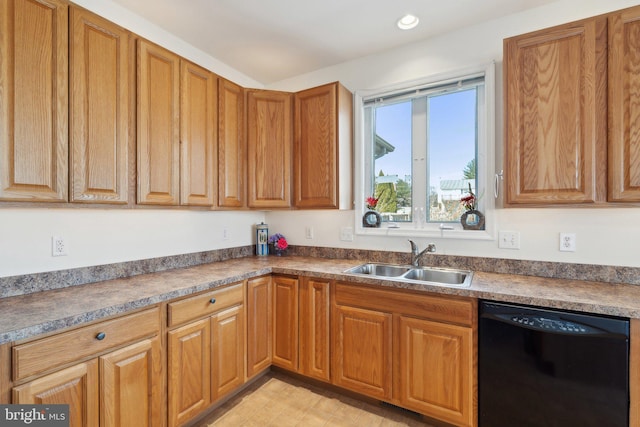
(259, 323)
(415, 350)
(104, 383)
(231, 145)
(269, 145)
(323, 169)
(158, 125)
(624, 96)
(34, 101)
(285, 322)
(556, 114)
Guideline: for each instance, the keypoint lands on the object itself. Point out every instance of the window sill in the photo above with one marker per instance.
(456, 233)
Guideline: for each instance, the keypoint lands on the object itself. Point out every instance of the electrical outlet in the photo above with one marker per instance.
(308, 232)
(225, 233)
(58, 246)
(568, 242)
(509, 240)
(346, 234)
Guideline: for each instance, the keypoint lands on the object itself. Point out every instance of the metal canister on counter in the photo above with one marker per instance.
(262, 237)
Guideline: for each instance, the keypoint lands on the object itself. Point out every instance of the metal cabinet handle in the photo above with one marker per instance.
(101, 336)
(212, 301)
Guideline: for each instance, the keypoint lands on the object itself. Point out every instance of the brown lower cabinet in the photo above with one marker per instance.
(412, 349)
(205, 356)
(122, 387)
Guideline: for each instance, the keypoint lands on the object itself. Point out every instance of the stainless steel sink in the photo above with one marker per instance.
(438, 275)
(381, 270)
(409, 274)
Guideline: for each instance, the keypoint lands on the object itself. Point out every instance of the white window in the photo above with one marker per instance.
(421, 147)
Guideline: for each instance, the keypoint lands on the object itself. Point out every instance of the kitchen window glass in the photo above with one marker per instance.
(423, 147)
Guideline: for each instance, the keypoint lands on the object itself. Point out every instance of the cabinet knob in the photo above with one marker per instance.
(212, 301)
(101, 336)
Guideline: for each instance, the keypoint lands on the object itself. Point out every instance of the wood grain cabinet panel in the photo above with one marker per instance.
(624, 97)
(435, 362)
(227, 348)
(362, 349)
(555, 112)
(131, 381)
(158, 127)
(285, 322)
(315, 333)
(198, 134)
(76, 386)
(231, 145)
(34, 100)
(322, 147)
(269, 145)
(259, 325)
(100, 57)
(189, 371)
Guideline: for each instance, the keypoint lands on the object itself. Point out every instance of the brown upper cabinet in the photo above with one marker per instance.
(231, 145)
(624, 96)
(198, 133)
(571, 132)
(322, 147)
(101, 54)
(34, 97)
(158, 125)
(555, 114)
(269, 145)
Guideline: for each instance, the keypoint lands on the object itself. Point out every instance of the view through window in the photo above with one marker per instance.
(423, 147)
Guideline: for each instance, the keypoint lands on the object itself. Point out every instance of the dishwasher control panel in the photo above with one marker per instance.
(552, 324)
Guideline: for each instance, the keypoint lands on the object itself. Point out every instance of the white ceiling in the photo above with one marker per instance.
(271, 40)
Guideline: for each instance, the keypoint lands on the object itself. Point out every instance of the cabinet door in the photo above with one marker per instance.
(34, 139)
(227, 351)
(231, 145)
(131, 386)
(76, 386)
(100, 54)
(158, 125)
(285, 322)
(556, 115)
(315, 149)
(259, 321)
(624, 96)
(362, 350)
(437, 370)
(269, 142)
(314, 329)
(198, 133)
(189, 372)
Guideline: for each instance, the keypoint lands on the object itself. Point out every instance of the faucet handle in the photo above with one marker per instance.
(414, 247)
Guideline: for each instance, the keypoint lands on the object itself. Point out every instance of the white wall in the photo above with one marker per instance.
(100, 236)
(604, 236)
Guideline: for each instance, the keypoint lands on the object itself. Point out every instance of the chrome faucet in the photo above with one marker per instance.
(415, 255)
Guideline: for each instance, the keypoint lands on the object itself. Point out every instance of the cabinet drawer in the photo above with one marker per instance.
(48, 353)
(202, 305)
(450, 309)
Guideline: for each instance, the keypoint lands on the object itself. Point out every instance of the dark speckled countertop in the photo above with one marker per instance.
(29, 315)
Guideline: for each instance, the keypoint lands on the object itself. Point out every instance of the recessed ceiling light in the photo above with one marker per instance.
(408, 22)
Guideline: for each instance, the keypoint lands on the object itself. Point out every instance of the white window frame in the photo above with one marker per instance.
(485, 160)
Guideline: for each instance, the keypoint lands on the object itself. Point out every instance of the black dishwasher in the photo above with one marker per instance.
(546, 368)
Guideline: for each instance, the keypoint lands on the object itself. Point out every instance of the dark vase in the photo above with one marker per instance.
(371, 219)
(472, 220)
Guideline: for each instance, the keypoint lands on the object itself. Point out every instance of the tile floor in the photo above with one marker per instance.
(279, 400)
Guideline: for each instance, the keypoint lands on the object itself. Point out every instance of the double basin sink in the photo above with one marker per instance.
(411, 274)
